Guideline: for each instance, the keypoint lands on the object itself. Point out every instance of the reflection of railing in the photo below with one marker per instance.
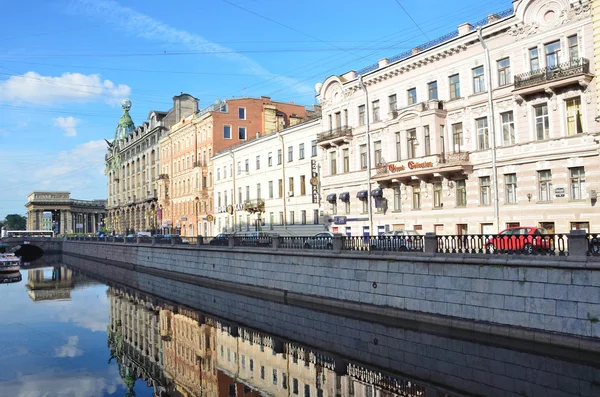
(334, 133)
(550, 73)
(385, 382)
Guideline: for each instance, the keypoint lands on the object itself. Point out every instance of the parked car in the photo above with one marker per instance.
(321, 240)
(397, 240)
(221, 239)
(521, 238)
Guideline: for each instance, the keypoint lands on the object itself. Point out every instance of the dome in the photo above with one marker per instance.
(125, 126)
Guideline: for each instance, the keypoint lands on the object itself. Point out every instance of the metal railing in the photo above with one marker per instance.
(550, 73)
(335, 133)
(260, 240)
(545, 244)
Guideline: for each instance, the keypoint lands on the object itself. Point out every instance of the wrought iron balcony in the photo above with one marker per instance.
(454, 158)
(551, 74)
(336, 134)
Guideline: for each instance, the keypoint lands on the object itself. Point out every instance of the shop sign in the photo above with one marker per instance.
(339, 220)
(314, 181)
(411, 165)
(184, 219)
(559, 192)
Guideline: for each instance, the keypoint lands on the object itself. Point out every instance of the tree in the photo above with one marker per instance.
(16, 222)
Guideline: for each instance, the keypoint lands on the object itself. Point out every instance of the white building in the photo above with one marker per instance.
(432, 132)
(273, 178)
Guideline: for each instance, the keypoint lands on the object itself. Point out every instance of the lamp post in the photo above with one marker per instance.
(368, 134)
(492, 125)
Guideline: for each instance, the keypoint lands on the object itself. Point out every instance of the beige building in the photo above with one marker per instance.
(67, 215)
(272, 182)
(445, 157)
(133, 167)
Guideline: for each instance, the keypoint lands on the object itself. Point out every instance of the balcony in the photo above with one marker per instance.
(453, 158)
(254, 206)
(335, 136)
(163, 176)
(549, 78)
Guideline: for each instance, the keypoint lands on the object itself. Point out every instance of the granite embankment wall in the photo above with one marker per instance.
(426, 356)
(547, 299)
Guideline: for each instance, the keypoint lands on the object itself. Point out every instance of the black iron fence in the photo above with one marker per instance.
(491, 244)
(550, 73)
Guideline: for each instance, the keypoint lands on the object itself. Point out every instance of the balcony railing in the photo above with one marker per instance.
(551, 73)
(454, 158)
(163, 176)
(338, 132)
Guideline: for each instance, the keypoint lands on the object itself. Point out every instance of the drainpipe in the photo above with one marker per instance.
(283, 176)
(492, 126)
(232, 154)
(368, 133)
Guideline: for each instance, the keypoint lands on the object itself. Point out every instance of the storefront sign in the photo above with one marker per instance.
(559, 192)
(314, 181)
(411, 165)
(184, 219)
(339, 220)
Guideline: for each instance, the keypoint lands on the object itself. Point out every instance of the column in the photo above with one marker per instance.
(94, 222)
(38, 219)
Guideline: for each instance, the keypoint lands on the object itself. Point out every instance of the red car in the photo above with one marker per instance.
(521, 238)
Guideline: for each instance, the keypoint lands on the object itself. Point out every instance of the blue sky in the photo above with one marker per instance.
(66, 64)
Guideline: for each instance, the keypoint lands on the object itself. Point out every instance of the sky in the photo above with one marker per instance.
(65, 65)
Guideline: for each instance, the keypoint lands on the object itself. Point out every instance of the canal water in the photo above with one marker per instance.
(68, 329)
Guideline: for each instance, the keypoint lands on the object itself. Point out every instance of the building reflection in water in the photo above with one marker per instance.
(54, 283)
(180, 352)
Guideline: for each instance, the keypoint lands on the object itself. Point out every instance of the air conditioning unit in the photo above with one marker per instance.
(290, 193)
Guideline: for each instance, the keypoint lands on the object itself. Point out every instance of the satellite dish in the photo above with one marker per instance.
(318, 87)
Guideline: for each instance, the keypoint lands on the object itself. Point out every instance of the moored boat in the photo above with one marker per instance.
(9, 263)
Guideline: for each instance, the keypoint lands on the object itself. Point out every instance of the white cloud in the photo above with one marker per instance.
(146, 27)
(32, 87)
(69, 349)
(68, 124)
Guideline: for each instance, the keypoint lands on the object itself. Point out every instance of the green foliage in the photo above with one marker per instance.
(16, 222)
(592, 319)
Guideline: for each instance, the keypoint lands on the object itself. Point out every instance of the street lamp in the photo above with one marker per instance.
(368, 133)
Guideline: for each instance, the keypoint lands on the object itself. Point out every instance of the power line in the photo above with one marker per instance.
(411, 18)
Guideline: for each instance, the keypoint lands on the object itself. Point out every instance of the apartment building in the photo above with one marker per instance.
(187, 176)
(436, 141)
(271, 183)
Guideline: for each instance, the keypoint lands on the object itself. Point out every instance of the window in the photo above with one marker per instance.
(292, 220)
(332, 163)
(510, 188)
(338, 119)
(482, 134)
(484, 190)
(545, 185)
(427, 140)
(363, 157)
(457, 137)
(242, 133)
(361, 115)
(291, 184)
(412, 96)
(398, 146)
(542, 124)
(574, 125)
(397, 199)
(251, 365)
(347, 206)
(270, 159)
(274, 376)
(552, 54)
(295, 386)
(316, 217)
(226, 132)
(377, 152)
(503, 71)
(437, 195)
(280, 188)
(454, 81)
(573, 48)
(393, 102)
(461, 193)
(508, 128)
(219, 199)
(240, 197)
(281, 220)
(365, 206)
(258, 191)
(262, 371)
(303, 217)
(302, 185)
(218, 174)
(411, 140)
(279, 157)
(270, 189)
(306, 391)
(432, 89)
(246, 165)
(416, 200)
(478, 80)
(376, 116)
(284, 380)
(313, 148)
(534, 60)
(301, 152)
(242, 113)
(577, 180)
(346, 160)
(258, 162)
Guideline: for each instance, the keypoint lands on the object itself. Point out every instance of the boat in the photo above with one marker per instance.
(9, 262)
(6, 278)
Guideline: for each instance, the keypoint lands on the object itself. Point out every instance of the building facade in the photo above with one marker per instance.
(443, 156)
(271, 183)
(133, 167)
(67, 215)
(186, 177)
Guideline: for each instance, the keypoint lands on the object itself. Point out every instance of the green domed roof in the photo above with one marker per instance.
(125, 126)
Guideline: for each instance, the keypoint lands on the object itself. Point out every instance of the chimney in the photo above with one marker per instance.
(416, 50)
(351, 75)
(493, 18)
(464, 28)
(383, 62)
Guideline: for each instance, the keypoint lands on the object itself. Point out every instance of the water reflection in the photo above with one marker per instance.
(54, 283)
